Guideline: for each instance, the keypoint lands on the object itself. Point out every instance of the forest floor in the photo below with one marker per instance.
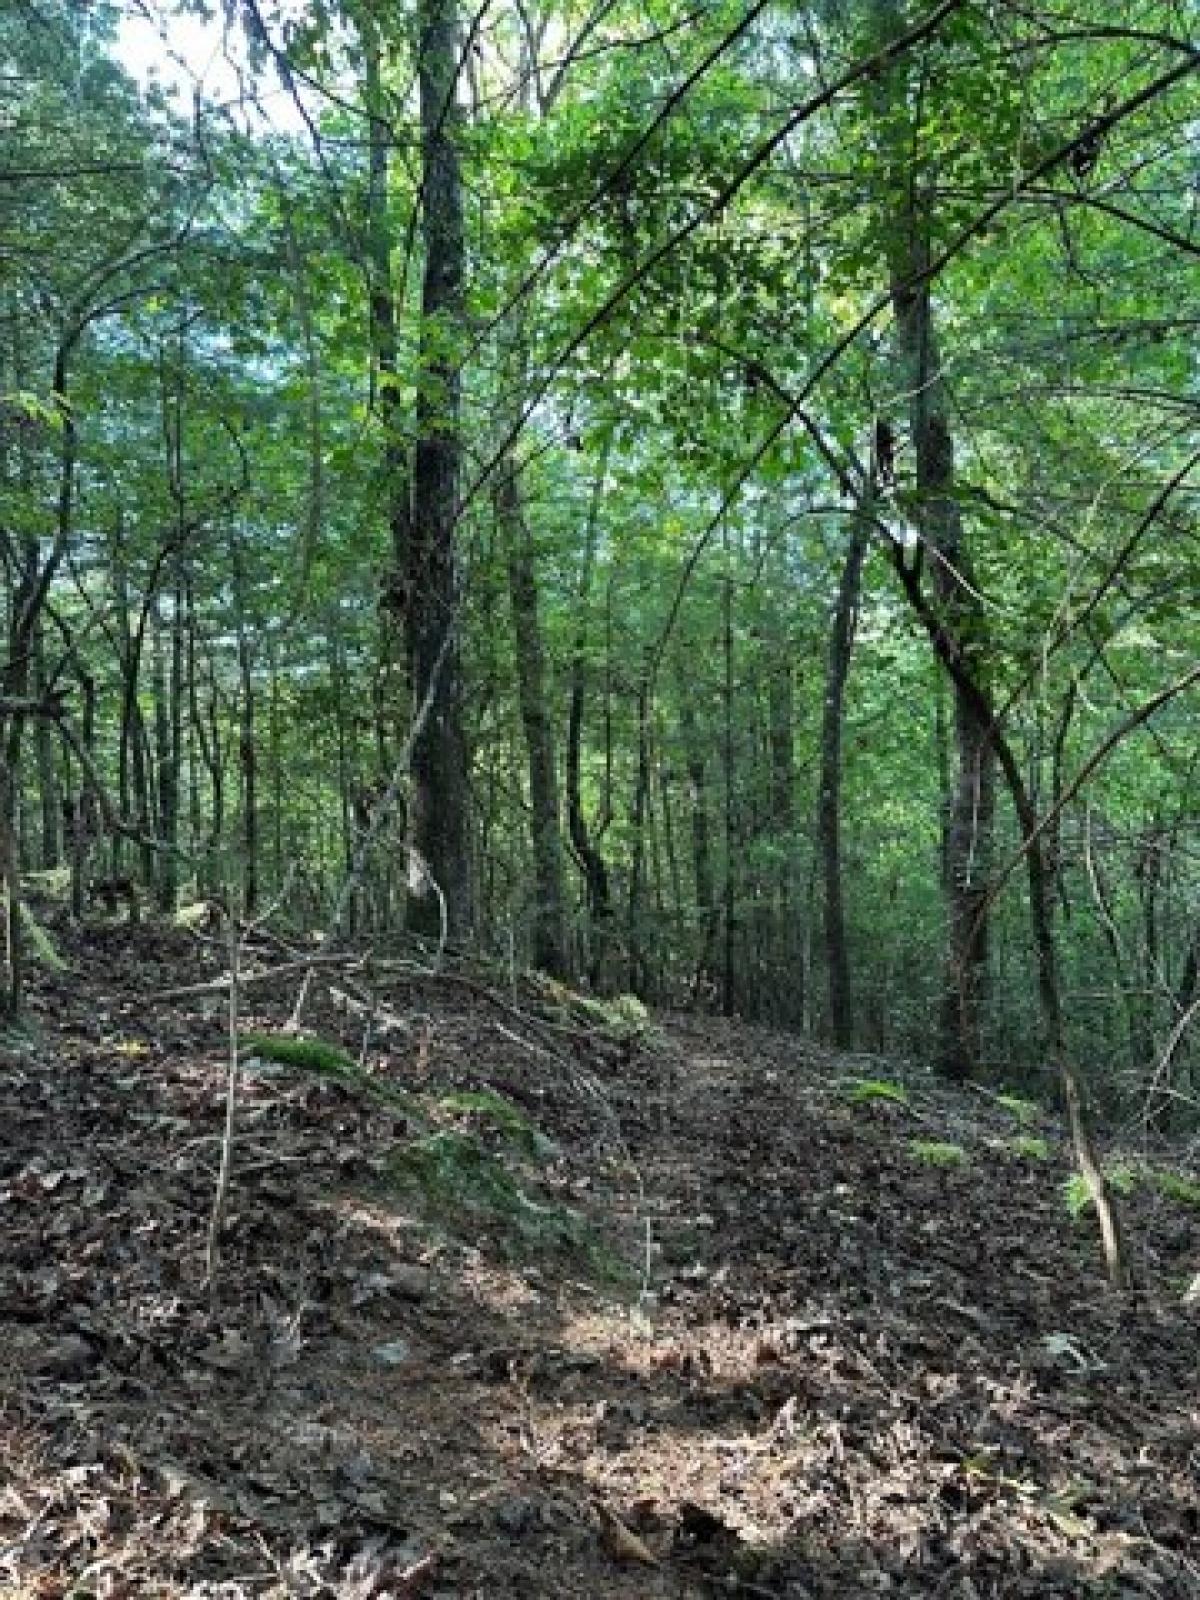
(737, 1335)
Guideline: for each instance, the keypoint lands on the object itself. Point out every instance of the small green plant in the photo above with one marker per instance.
(326, 1060)
(1028, 1147)
(862, 1091)
(305, 1055)
(1176, 1186)
(1026, 1113)
(623, 1018)
(938, 1153)
(508, 1120)
(457, 1180)
(1077, 1197)
(42, 945)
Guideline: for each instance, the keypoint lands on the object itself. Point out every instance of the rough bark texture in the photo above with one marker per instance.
(438, 813)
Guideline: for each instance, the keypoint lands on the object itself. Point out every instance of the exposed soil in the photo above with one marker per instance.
(803, 1362)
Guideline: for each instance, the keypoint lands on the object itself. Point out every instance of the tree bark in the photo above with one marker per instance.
(438, 815)
(955, 660)
(968, 823)
(550, 952)
(829, 798)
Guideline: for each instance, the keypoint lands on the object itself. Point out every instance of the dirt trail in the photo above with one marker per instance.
(826, 1366)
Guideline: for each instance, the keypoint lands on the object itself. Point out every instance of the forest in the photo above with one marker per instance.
(668, 529)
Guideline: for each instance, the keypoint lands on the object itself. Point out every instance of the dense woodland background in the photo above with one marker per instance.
(699, 499)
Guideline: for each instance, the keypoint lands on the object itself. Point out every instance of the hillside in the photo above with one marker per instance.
(544, 1302)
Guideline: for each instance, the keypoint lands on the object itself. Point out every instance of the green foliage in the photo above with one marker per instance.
(459, 1182)
(1176, 1186)
(498, 1112)
(51, 884)
(1029, 1147)
(623, 1017)
(866, 1091)
(1027, 1113)
(938, 1153)
(305, 1055)
(42, 945)
(1122, 1179)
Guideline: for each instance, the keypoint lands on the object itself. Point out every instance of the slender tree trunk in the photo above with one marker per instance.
(166, 773)
(248, 757)
(636, 910)
(549, 921)
(708, 912)
(49, 801)
(729, 952)
(439, 814)
(955, 659)
(787, 990)
(829, 798)
(585, 840)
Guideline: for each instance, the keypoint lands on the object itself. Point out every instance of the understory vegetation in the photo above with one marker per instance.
(582, 580)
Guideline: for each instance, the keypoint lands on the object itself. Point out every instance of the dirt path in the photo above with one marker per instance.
(829, 1367)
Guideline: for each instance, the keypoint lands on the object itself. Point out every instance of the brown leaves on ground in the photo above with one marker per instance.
(845, 1372)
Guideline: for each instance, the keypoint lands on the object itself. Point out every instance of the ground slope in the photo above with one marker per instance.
(786, 1354)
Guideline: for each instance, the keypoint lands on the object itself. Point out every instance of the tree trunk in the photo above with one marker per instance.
(955, 659)
(166, 772)
(585, 840)
(707, 910)
(49, 804)
(969, 819)
(729, 950)
(438, 815)
(550, 952)
(829, 798)
(638, 823)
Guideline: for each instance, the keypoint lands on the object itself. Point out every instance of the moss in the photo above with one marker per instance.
(326, 1060)
(458, 1181)
(936, 1153)
(305, 1055)
(507, 1119)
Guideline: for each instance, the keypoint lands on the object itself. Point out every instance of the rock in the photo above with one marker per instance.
(517, 1516)
(411, 1282)
(393, 1354)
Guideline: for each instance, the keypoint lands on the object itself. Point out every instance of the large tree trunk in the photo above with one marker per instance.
(439, 817)
(549, 919)
(829, 797)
